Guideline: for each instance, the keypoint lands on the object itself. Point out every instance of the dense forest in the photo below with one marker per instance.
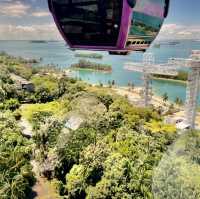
(87, 140)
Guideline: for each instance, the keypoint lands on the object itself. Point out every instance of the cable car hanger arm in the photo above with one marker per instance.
(166, 8)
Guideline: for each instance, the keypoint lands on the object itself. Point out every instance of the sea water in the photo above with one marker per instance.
(57, 53)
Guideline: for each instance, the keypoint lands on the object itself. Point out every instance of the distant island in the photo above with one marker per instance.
(158, 44)
(38, 41)
(84, 64)
(89, 55)
(181, 77)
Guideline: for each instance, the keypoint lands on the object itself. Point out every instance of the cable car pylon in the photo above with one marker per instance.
(193, 85)
(148, 67)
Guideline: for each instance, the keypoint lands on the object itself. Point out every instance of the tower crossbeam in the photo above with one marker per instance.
(149, 68)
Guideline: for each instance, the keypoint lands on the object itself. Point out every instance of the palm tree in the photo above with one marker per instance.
(178, 101)
(129, 86)
(109, 84)
(165, 97)
(132, 86)
(100, 84)
(113, 82)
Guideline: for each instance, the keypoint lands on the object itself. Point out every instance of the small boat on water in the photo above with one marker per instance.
(38, 41)
(169, 43)
(173, 43)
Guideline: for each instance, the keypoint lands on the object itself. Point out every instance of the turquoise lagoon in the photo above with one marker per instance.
(57, 53)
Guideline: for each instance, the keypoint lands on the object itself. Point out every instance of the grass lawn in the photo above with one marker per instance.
(57, 108)
(48, 82)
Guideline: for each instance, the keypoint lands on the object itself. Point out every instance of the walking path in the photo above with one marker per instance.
(26, 128)
(42, 189)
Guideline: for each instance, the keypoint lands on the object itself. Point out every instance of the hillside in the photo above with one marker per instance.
(87, 141)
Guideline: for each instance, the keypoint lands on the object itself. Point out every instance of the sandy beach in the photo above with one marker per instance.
(134, 96)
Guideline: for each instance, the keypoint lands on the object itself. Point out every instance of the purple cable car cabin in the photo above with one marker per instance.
(117, 26)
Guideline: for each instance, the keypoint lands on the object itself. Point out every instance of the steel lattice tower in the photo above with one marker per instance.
(193, 85)
(148, 67)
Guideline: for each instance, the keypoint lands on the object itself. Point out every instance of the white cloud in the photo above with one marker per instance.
(40, 14)
(50, 31)
(175, 31)
(14, 9)
(33, 32)
(18, 9)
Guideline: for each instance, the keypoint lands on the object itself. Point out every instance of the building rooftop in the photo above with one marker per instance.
(182, 125)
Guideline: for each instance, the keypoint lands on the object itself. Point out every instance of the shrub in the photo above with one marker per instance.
(43, 95)
(2, 94)
(12, 104)
(178, 173)
(16, 176)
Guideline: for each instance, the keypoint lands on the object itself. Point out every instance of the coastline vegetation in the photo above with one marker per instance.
(182, 77)
(87, 140)
(84, 64)
(89, 55)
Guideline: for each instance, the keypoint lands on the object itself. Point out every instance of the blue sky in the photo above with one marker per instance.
(30, 19)
(184, 12)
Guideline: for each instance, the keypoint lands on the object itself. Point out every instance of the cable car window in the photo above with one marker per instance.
(147, 19)
(89, 22)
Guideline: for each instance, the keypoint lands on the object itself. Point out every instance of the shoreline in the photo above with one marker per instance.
(170, 80)
(90, 69)
(135, 96)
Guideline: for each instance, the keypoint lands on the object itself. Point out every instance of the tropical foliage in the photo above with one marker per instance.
(90, 142)
(111, 154)
(178, 173)
(182, 75)
(84, 64)
(16, 175)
